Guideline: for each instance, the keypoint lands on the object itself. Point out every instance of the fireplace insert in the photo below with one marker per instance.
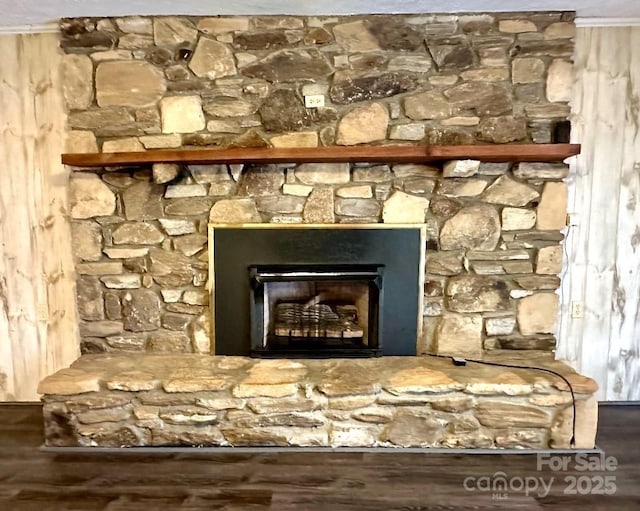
(316, 290)
(316, 310)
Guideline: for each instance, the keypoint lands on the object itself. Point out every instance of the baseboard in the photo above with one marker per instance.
(323, 450)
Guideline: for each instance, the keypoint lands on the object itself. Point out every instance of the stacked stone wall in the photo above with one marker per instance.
(139, 83)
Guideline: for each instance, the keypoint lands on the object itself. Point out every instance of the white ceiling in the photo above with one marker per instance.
(21, 13)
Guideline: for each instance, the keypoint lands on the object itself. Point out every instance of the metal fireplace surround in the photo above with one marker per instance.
(316, 291)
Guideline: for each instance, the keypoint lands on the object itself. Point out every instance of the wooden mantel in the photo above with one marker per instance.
(333, 154)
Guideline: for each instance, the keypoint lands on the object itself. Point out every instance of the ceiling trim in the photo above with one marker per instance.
(40, 28)
(580, 22)
(607, 22)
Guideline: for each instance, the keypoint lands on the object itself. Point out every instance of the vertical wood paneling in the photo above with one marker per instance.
(38, 320)
(603, 251)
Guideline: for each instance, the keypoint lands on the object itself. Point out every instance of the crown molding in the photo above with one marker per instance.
(607, 22)
(580, 22)
(39, 28)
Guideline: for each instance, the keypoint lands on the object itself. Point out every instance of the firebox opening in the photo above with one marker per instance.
(316, 311)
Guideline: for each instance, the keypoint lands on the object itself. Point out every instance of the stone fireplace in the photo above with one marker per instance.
(489, 234)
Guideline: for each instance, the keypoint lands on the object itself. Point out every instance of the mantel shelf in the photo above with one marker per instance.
(333, 154)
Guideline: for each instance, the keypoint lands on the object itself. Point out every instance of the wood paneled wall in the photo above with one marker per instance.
(603, 251)
(38, 319)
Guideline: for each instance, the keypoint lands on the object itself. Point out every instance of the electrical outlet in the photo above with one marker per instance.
(314, 101)
(577, 309)
(573, 219)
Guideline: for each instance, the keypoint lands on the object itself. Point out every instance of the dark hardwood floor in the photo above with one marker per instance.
(35, 480)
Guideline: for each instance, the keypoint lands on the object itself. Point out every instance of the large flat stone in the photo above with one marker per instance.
(474, 227)
(77, 81)
(90, 197)
(362, 125)
(128, 83)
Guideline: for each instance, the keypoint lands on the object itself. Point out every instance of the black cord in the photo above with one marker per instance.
(572, 442)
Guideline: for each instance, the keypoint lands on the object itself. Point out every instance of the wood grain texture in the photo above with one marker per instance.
(38, 321)
(296, 481)
(384, 154)
(603, 251)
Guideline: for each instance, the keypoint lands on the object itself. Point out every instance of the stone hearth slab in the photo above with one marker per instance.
(129, 400)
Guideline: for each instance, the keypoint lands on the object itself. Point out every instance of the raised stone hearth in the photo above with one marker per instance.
(198, 400)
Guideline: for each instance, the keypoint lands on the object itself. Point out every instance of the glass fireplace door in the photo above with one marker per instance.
(316, 311)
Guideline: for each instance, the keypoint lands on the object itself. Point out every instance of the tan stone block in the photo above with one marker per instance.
(77, 81)
(276, 390)
(517, 219)
(223, 25)
(461, 187)
(296, 189)
(212, 59)
(420, 380)
(460, 335)
(132, 381)
(509, 192)
(579, 383)
(235, 211)
(516, 26)
(90, 197)
(550, 399)
(404, 208)
(507, 383)
(461, 121)
(586, 425)
(552, 210)
(496, 413)
(129, 144)
(407, 430)
(491, 74)
(560, 30)
(101, 56)
(182, 114)
(355, 192)
(323, 173)
(164, 172)
(299, 139)
(527, 70)
(537, 314)
(277, 371)
(81, 142)
(549, 260)
(128, 83)
(170, 30)
(351, 402)
(351, 435)
(474, 227)
(560, 80)
(161, 141)
(362, 125)
(354, 37)
(195, 383)
(427, 105)
(69, 381)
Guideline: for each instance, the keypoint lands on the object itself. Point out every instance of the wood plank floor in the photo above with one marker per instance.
(33, 480)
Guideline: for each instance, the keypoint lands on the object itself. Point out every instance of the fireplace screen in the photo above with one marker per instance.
(316, 311)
